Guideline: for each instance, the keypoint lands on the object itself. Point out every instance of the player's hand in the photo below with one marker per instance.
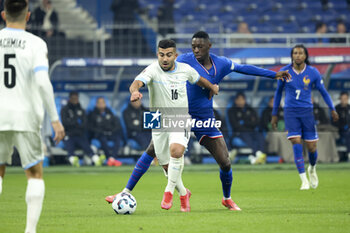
(283, 75)
(135, 96)
(59, 131)
(214, 91)
(335, 116)
(274, 122)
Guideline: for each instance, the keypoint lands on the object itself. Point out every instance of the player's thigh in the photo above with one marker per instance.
(308, 125)
(181, 137)
(30, 148)
(293, 126)
(201, 134)
(6, 147)
(161, 147)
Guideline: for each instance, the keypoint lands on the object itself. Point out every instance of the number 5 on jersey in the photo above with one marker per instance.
(9, 69)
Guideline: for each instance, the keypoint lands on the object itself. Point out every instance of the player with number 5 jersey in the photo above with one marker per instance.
(25, 88)
(298, 111)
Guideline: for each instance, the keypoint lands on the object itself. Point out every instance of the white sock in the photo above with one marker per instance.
(126, 190)
(174, 170)
(34, 198)
(165, 173)
(303, 177)
(179, 184)
(0, 184)
(312, 167)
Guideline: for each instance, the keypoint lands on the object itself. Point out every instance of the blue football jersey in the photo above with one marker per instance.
(298, 91)
(198, 103)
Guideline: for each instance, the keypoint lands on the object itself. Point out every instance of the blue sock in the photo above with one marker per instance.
(226, 181)
(313, 158)
(140, 168)
(298, 157)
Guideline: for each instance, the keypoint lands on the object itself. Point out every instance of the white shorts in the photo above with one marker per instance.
(163, 140)
(28, 144)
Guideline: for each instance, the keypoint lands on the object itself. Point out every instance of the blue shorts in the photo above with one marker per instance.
(209, 132)
(304, 127)
(201, 132)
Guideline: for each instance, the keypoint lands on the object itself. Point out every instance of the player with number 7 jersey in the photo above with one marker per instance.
(298, 111)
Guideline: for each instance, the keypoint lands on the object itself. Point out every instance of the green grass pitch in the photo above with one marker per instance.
(269, 196)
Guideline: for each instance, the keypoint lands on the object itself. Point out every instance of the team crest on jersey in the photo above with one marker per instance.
(151, 120)
(306, 81)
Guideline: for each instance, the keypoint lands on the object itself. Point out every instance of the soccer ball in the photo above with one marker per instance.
(124, 203)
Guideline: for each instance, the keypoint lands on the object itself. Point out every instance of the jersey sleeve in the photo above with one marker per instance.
(320, 87)
(253, 70)
(46, 93)
(278, 97)
(193, 75)
(228, 66)
(180, 58)
(146, 75)
(41, 61)
(42, 80)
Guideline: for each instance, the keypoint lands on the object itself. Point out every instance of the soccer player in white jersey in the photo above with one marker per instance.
(166, 81)
(24, 89)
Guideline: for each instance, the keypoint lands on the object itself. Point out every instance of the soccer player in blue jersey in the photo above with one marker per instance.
(298, 111)
(214, 69)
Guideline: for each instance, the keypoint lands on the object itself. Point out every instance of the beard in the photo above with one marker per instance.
(167, 68)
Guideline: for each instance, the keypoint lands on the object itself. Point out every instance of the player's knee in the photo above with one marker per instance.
(165, 168)
(35, 171)
(311, 147)
(295, 140)
(176, 150)
(225, 166)
(150, 150)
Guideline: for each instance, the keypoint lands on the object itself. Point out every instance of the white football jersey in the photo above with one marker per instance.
(167, 89)
(22, 54)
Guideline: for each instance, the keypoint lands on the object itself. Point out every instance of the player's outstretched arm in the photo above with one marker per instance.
(257, 71)
(214, 88)
(135, 90)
